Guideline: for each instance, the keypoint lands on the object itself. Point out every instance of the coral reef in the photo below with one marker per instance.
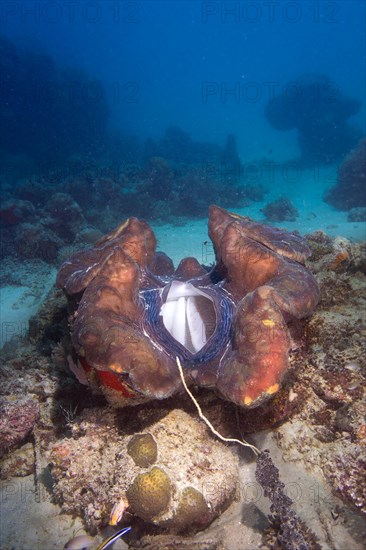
(280, 210)
(178, 146)
(320, 245)
(174, 493)
(319, 111)
(338, 255)
(36, 241)
(177, 168)
(65, 217)
(160, 176)
(349, 474)
(129, 326)
(350, 190)
(41, 232)
(15, 211)
(231, 166)
(41, 216)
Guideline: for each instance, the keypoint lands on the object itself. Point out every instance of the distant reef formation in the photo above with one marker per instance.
(37, 220)
(315, 106)
(74, 203)
(350, 190)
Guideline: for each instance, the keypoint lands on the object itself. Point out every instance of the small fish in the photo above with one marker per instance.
(118, 511)
(80, 542)
(107, 543)
(84, 542)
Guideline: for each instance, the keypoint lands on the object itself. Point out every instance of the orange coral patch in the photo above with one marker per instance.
(340, 262)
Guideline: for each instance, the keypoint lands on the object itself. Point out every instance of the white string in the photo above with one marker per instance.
(207, 422)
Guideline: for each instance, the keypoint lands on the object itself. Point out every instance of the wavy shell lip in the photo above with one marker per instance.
(188, 321)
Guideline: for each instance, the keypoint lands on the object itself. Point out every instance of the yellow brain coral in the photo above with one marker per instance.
(192, 509)
(143, 450)
(150, 493)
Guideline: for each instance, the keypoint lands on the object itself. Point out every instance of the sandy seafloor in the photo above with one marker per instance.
(28, 522)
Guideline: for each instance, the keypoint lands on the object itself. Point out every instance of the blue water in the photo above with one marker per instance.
(208, 67)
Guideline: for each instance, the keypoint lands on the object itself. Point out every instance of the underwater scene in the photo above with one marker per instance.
(183, 275)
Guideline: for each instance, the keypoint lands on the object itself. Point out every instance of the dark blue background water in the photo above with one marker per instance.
(164, 63)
